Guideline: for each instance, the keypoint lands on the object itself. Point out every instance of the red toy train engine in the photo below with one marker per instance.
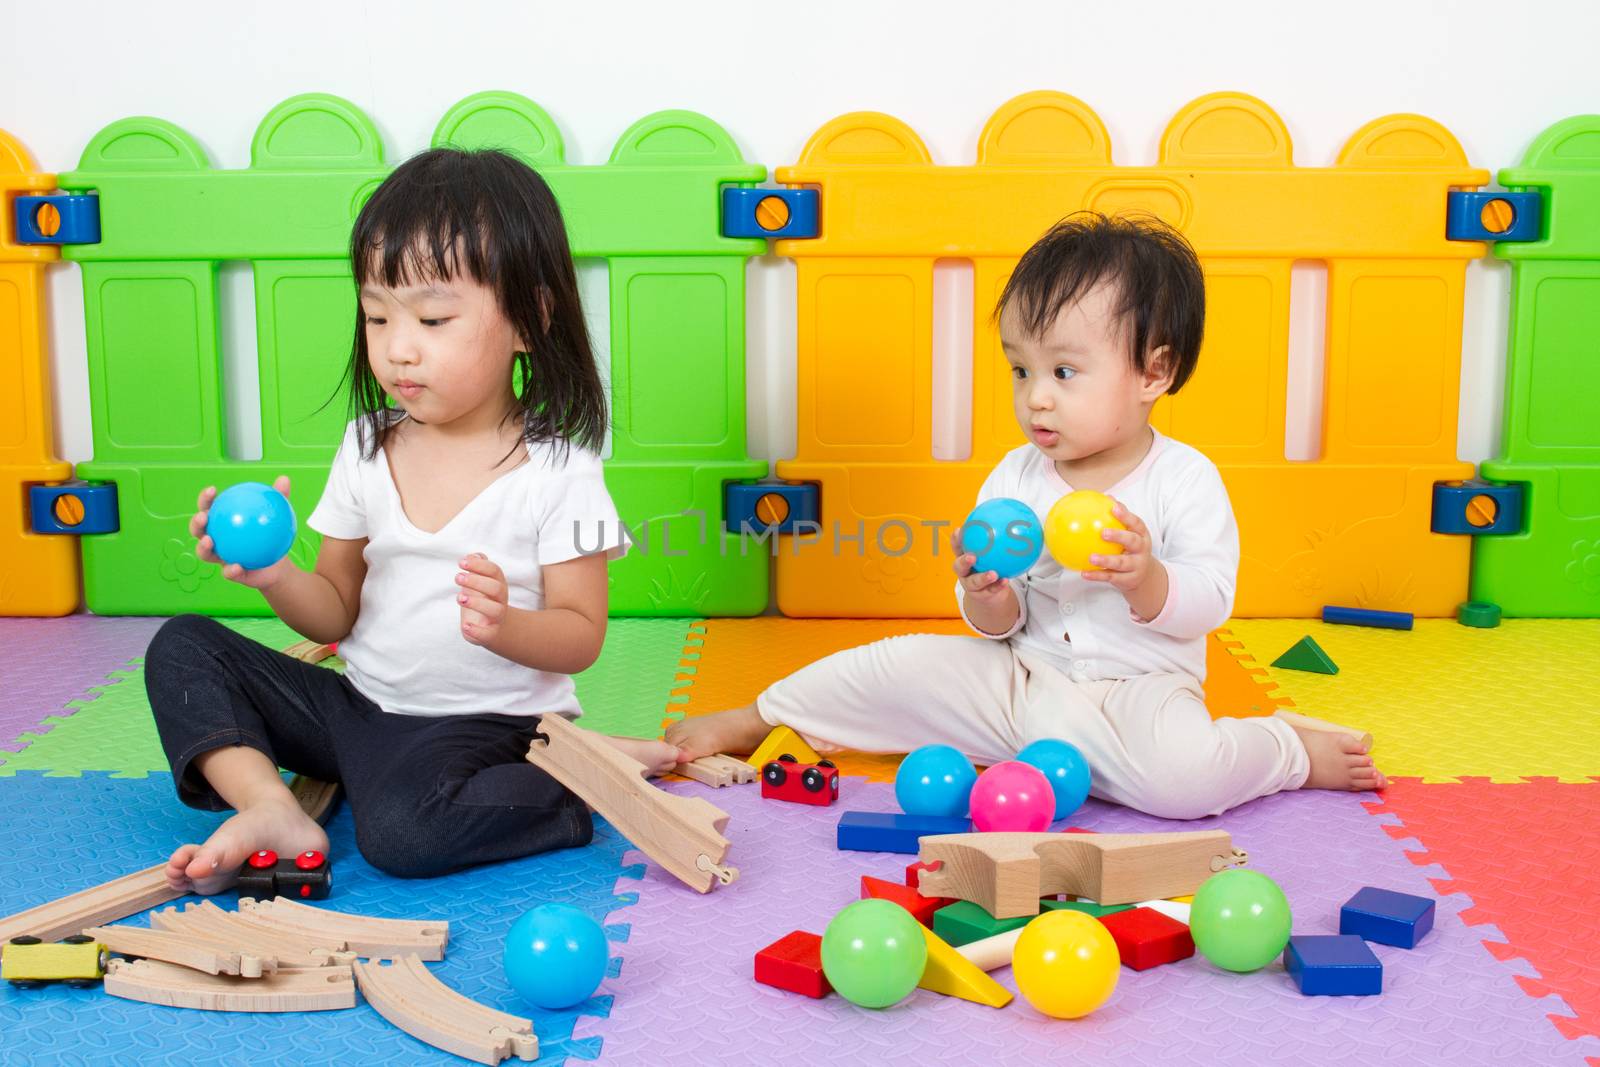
(308, 876)
(786, 778)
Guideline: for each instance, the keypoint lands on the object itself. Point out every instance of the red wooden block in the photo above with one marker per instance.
(1146, 938)
(920, 907)
(794, 963)
(914, 871)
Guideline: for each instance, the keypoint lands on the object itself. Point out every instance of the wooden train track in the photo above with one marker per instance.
(316, 798)
(1007, 873)
(290, 948)
(116, 899)
(361, 934)
(185, 950)
(718, 771)
(288, 989)
(403, 992)
(682, 834)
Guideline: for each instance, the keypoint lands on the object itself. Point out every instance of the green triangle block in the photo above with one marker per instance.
(1306, 655)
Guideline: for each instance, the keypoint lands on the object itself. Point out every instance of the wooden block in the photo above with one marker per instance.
(406, 994)
(682, 834)
(1146, 938)
(289, 989)
(1007, 873)
(779, 742)
(992, 952)
(794, 963)
(952, 974)
(873, 831)
(920, 907)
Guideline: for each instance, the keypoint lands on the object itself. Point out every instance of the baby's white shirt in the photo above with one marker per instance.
(406, 652)
(1086, 628)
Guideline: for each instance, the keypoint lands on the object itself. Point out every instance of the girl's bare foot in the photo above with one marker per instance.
(738, 731)
(658, 756)
(276, 824)
(1339, 761)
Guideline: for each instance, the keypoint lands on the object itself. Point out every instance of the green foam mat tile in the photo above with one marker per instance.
(629, 690)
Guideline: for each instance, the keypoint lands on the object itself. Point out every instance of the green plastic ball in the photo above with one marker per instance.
(873, 953)
(1240, 920)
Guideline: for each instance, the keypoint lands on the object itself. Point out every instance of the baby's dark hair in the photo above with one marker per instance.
(1161, 295)
(490, 215)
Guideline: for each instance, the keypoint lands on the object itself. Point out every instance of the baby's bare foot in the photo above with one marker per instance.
(1339, 761)
(659, 757)
(277, 825)
(738, 731)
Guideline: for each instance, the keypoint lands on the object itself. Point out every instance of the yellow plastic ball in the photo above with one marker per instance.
(1066, 964)
(1072, 529)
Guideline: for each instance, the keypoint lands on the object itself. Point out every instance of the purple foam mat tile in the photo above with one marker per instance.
(686, 984)
(46, 663)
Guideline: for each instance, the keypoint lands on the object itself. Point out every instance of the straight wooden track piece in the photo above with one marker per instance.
(315, 798)
(309, 651)
(290, 989)
(364, 935)
(289, 948)
(116, 899)
(186, 950)
(404, 993)
(1007, 873)
(682, 834)
(718, 771)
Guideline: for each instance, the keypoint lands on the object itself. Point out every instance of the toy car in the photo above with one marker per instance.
(308, 876)
(786, 778)
(79, 961)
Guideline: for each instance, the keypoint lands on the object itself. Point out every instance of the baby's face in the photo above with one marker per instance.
(1074, 389)
(442, 348)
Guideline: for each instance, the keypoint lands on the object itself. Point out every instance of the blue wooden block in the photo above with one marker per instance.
(872, 831)
(1333, 965)
(1387, 917)
(1387, 620)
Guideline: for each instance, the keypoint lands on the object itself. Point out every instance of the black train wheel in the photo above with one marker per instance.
(774, 774)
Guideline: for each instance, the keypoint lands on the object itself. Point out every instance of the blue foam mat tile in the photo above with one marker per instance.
(59, 835)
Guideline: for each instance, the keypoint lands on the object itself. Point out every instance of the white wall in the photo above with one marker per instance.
(771, 73)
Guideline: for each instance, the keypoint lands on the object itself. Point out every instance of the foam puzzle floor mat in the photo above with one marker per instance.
(65, 834)
(107, 726)
(1446, 700)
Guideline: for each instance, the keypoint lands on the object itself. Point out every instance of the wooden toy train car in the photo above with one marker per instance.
(308, 876)
(786, 778)
(28, 962)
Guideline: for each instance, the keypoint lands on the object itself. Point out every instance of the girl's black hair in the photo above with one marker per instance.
(484, 212)
(1161, 292)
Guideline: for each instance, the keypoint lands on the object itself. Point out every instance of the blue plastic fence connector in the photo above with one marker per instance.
(58, 219)
(1475, 216)
(769, 213)
(76, 507)
(761, 507)
(1477, 507)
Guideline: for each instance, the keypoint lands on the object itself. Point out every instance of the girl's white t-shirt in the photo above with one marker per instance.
(406, 652)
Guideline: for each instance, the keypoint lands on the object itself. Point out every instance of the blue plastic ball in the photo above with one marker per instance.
(251, 524)
(935, 780)
(1066, 769)
(1005, 535)
(555, 956)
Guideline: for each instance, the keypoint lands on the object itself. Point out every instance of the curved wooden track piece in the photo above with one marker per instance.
(315, 798)
(404, 993)
(289, 948)
(1007, 873)
(290, 989)
(362, 934)
(186, 950)
(116, 899)
(682, 834)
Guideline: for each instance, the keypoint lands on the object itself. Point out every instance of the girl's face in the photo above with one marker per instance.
(1075, 391)
(442, 349)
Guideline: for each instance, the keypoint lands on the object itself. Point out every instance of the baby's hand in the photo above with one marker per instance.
(206, 549)
(482, 598)
(984, 587)
(1129, 571)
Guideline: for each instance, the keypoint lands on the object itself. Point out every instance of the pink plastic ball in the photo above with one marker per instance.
(1012, 796)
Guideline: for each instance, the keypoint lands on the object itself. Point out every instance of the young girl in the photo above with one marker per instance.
(450, 571)
(1099, 319)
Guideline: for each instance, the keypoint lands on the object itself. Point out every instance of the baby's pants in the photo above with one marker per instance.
(428, 794)
(1149, 740)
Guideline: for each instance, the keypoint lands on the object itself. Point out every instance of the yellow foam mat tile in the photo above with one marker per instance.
(1446, 701)
(738, 658)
